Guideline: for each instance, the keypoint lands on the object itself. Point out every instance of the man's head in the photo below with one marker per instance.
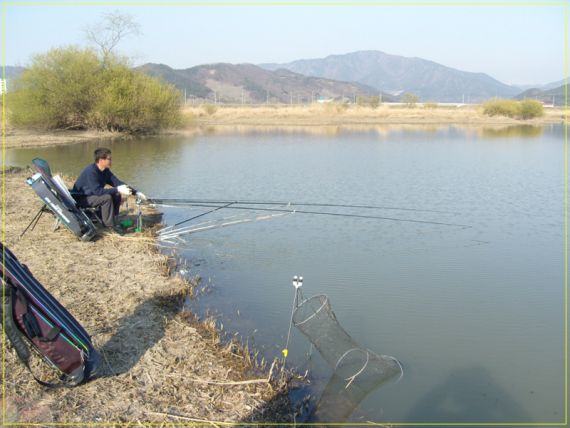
(103, 158)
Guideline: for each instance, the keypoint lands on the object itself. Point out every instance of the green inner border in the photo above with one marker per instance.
(6, 4)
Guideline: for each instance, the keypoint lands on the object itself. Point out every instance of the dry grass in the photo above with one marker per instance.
(160, 364)
(337, 114)
(200, 119)
(16, 138)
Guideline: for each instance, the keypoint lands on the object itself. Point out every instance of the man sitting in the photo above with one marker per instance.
(89, 189)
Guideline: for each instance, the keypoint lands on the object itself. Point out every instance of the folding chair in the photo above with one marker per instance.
(57, 199)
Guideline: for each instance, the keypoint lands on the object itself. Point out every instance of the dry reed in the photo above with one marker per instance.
(160, 365)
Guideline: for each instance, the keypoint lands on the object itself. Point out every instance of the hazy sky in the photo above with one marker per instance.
(516, 44)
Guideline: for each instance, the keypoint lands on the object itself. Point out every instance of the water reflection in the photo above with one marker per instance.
(468, 394)
(323, 130)
(515, 131)
(131, 157)
(161, 152)
(385, 131)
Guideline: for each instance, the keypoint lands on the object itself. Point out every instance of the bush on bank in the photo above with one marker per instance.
(526, 109)
(529, 109)
(135, 102)
(369, 101)
(72, 88)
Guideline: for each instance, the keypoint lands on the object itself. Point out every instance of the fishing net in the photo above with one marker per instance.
(357, 371)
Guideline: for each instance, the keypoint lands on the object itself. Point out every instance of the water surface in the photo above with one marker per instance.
(475, 314)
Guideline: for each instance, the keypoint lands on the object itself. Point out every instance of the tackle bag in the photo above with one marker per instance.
(57, 198)
(34, 319)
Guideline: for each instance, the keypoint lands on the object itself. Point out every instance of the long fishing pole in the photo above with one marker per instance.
(165, 230)
(171, 234)
(236, 206)
(158, 201)
(203, 214)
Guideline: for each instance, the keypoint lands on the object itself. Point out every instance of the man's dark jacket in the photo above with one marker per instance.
(92, 181)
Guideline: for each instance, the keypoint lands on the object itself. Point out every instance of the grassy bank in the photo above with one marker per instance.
(202, 118)
(24, 138)
(159, 363)
(337, 114)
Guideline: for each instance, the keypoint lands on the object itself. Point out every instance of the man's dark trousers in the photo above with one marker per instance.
(108, 203)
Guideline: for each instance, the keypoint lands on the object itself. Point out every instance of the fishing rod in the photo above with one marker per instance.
(203, 214)
(174, 201)
(237, 206)
(176, 233)
(171, 227)
(168, 229)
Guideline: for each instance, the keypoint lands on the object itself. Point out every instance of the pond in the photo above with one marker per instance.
(468, 295)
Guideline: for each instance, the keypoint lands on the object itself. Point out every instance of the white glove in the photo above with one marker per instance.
(124, 189)
(141, 196)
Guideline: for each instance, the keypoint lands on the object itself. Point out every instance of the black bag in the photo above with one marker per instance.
(60, 202)
(34, 318)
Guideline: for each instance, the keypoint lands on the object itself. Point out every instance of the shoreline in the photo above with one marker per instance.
(338, 115)
(159, 363)
(328, 117)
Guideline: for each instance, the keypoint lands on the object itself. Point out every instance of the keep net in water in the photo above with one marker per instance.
(357, 371)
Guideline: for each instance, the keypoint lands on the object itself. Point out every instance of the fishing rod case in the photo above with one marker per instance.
(57, 198)
(34, 320)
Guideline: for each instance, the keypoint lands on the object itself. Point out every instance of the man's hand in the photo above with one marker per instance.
(124, 190)
(141, 196)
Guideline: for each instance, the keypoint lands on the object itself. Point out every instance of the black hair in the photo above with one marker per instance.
(101, 153)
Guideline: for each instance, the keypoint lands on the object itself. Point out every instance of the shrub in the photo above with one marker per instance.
(431, 105)
(135, 102)
(334, 107)
(341, 107)
(526, 109)
(57, 91)
(210, 109)
(370, 101)
(500, 107)
(529, 109)
(410, 99)
(71, 88)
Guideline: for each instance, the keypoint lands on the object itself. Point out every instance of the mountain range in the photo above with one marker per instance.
(12, 71)
(397, 74)
(551, 85)
(347, 76)
(247, 83)
(554, 96)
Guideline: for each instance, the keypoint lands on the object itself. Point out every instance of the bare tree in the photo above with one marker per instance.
(410, 99)
(113, 27)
